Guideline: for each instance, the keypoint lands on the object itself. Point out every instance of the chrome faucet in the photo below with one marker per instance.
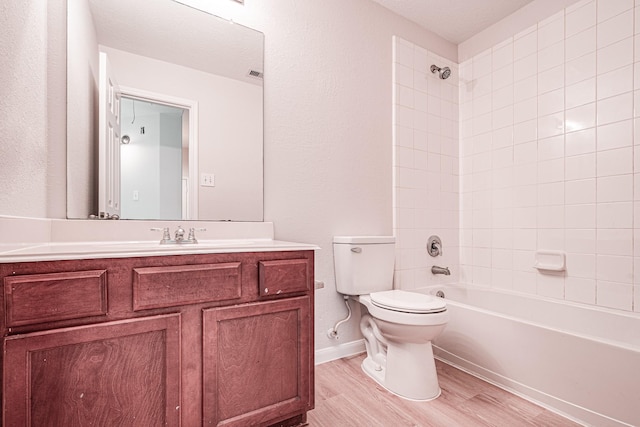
(179, 235)
(440, 270)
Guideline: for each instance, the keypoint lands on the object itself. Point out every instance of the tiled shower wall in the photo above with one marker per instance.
(426, 165)
(550, 157)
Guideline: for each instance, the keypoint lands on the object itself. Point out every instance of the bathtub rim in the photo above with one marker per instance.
(432, 289)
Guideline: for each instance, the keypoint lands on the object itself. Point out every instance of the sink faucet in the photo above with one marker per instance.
(179, 235)
(440, 270)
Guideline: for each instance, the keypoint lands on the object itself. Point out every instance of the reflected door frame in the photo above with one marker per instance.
(192, 106)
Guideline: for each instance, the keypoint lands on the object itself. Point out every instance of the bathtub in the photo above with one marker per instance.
(578, 360)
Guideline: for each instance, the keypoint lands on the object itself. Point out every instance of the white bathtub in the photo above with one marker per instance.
(579, 360)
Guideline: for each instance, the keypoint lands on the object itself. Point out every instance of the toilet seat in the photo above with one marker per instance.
(408, 302)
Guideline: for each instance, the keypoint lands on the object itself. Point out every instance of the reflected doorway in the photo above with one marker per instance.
(157, 158)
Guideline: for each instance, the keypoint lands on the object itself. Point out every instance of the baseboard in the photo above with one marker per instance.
(339, 351)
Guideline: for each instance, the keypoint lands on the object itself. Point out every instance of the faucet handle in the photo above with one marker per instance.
(166, 237)
(434, 246)
(192, 234)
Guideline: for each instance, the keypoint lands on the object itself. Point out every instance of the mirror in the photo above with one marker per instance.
(167, 54)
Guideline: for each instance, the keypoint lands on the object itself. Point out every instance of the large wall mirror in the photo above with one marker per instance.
(189, 104)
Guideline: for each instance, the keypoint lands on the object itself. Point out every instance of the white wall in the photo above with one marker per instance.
(32, 160)
(548, 157)
(328, 126)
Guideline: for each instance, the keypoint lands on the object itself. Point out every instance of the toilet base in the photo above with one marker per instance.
(409, 371)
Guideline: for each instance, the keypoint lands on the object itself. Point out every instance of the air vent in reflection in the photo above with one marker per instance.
(256, 74)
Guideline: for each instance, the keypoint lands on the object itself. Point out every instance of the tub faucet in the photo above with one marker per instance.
(440, 270)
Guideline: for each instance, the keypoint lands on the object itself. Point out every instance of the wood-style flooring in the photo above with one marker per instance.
(346, 396)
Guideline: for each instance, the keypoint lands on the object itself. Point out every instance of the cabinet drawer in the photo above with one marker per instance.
(38, 298)
(283, 276)
(169, 286)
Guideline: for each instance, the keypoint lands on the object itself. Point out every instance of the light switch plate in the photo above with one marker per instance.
(207, 180)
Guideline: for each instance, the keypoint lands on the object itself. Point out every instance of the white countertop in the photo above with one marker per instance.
(25, 252)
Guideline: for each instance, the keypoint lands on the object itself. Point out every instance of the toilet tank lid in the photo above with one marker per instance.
(364, 240)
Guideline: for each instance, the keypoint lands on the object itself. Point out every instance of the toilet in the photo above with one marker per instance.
(398, 326)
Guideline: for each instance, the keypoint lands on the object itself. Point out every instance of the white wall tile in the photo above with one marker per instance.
(580, 191)
(581, 265)
(615, 109)
(614, 295)
(551, 102)
(551, 79)
(615, 241)
(580, 68)
(580, 167)
(550, 125)
(551, 33)
(580, 290)
(580, 241)
(615, 162)
(615, 82)
(580, 216)
(615, 135)
(580, 19)
(502, 56)
(525, 45)
(549, 159)
(525, 67)
(614, 268)
(615, 29)
(615, 215)
(580, 93)
(617, 188)
(580, 44)
(551, 56)
(525, 110)
(580, 118)
(580, 142)
(615, 56)
(610, 8)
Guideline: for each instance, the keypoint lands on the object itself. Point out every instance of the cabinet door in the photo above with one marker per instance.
(123, 373)
(256, 362)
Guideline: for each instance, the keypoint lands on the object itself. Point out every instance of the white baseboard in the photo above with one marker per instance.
(339, 351)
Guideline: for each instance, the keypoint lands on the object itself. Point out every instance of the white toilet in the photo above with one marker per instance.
(399, 326)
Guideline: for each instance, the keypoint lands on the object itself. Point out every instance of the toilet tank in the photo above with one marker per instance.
(363, 264)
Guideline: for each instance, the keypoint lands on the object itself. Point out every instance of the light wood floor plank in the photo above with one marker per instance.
(347, 397)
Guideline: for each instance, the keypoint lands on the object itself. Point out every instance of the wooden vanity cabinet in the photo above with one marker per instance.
(212, 340)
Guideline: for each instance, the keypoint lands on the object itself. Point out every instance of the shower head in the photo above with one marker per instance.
(445, 72)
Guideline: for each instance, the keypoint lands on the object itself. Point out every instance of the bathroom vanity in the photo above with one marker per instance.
(220, 338)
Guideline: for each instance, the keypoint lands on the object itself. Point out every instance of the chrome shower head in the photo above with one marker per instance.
(444, 72)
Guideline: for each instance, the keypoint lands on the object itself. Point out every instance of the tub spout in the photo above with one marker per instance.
(440, 270)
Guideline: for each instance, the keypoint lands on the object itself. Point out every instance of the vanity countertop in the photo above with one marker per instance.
(29, 252)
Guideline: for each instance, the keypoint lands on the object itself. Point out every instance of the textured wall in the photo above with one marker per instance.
(23, 108)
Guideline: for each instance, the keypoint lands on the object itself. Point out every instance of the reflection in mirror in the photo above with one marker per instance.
(166, 54)
(155, 140)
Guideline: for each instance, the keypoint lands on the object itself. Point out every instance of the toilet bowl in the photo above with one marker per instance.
(398, 326)
(399, 351)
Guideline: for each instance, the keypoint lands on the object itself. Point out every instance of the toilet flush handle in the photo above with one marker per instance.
(356, 250)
